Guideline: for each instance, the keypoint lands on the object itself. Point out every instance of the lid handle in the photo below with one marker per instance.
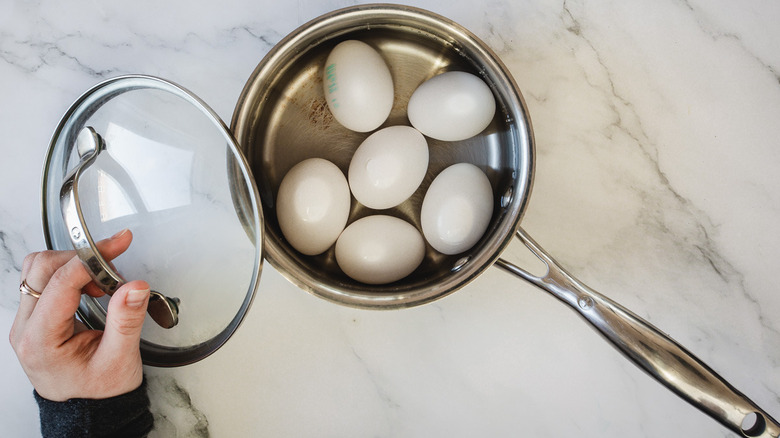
(163, 310)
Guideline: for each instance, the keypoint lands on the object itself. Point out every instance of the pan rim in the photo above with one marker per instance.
(339, 22)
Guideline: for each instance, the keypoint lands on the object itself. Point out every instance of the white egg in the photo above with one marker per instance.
(358, 86)
(312, 205)
(457, 208)
(388, 166)
(379, 249)
(452, 106)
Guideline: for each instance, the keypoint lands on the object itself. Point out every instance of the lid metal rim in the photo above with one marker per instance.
(153, 354)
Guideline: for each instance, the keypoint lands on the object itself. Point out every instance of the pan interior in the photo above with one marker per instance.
(282, 118)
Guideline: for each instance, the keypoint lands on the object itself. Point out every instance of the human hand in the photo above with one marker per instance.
(63, 359)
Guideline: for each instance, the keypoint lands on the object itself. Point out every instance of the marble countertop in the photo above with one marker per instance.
(658, 150)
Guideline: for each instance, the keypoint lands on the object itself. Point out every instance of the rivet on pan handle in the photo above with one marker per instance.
(650, 349)
(163, 310)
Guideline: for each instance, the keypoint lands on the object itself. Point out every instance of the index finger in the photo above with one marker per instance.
(37, 269)
(53, 314)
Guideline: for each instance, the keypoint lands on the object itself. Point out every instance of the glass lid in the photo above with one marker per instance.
(141, 153)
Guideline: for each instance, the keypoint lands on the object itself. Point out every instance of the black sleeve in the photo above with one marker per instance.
(124, 416)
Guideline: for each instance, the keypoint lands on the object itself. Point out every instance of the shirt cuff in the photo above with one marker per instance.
(125, 416)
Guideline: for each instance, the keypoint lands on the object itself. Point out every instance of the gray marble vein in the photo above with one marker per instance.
(12, 252)
(175, 415)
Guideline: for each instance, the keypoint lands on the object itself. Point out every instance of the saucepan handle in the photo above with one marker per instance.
(650, 349)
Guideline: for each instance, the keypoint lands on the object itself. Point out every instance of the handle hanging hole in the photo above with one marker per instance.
(753, 425)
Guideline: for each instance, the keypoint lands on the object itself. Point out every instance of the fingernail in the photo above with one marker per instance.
(119, 234)
(136, 298)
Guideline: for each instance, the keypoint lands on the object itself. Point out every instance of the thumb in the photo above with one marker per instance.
(125, 319)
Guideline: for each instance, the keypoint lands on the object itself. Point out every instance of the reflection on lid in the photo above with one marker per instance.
(114, 201)
(142, 175)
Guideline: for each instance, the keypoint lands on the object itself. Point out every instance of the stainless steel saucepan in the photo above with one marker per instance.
(282, 118)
